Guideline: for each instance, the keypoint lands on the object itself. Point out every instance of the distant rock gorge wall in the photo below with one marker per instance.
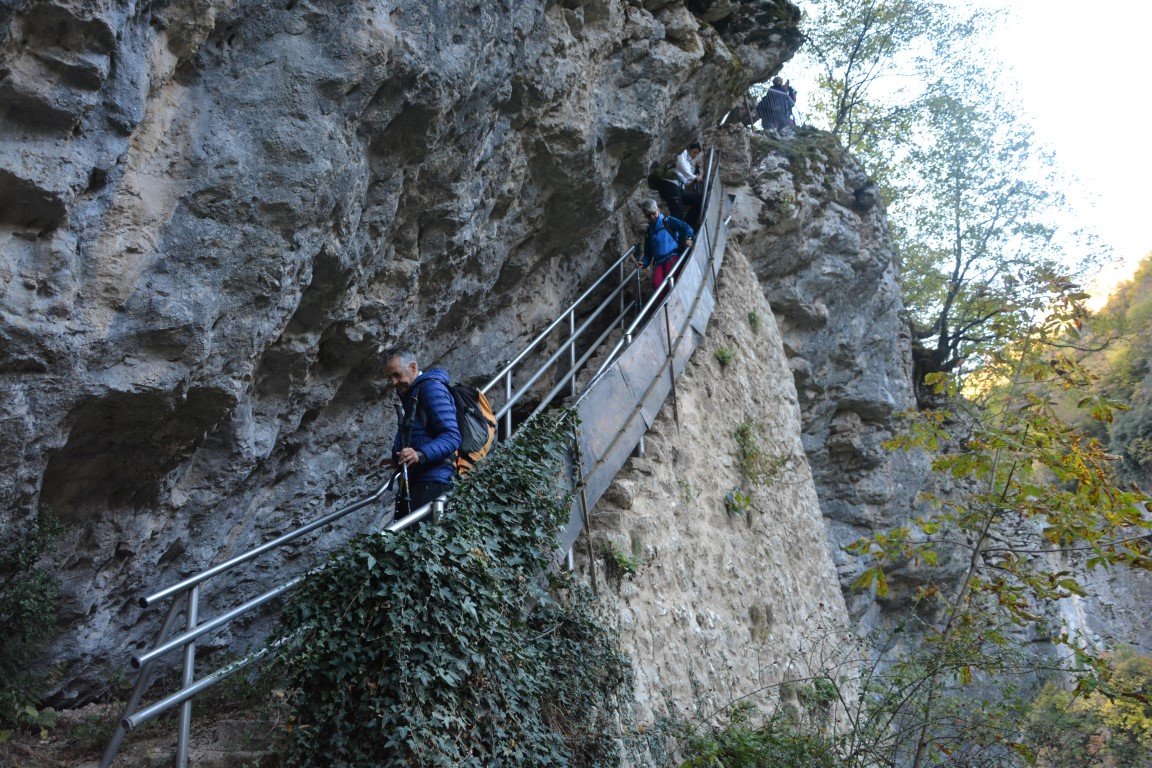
(213, 213)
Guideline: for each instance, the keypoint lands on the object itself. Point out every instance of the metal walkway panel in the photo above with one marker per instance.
(609, 430)
(721, 247)
(640, 365)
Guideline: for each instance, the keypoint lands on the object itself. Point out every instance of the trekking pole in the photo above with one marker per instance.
(405, 438)
(407, 489)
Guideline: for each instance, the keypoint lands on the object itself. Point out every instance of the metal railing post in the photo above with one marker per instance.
(142, 680)
(193, 611)
(508, 399)
(620, 279)
(572, 351)
(671, 361)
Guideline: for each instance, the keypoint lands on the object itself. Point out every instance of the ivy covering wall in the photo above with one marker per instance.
(445, 646)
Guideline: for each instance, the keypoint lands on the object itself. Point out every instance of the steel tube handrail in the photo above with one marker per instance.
(709, 235)
(555, 355)
(660, 293)
(414, 517)
(513, 399)
(203, 629)
(189, 676)
(191, 689)
(572, 374)
(681, 333)
(184, 694)
(560, 318)
(143, 679)
(216, 570)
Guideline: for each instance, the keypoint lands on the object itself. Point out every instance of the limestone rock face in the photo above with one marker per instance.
(806, 215)
(213, 212)
(731, 594)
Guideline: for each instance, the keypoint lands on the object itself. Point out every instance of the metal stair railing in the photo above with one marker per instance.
(588, 314)
(622, 400)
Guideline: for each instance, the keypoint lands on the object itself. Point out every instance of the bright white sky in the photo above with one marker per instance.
(1081, 73)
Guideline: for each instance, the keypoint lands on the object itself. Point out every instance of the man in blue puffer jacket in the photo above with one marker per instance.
(428, 436)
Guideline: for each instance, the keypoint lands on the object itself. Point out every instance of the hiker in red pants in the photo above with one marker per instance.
(665, 239)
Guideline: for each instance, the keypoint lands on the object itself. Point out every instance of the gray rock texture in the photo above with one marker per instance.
(805, 213)
(212, 214)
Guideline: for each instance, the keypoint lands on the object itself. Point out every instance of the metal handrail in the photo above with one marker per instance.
(674, 343)
(252, 554)
(547, 364)
(551, 327)
(189, 588)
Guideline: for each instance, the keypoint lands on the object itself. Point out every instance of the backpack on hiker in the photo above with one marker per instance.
(477, 423)
(662, 172)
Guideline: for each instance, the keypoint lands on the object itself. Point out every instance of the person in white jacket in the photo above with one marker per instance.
(690, 175)
(687, 167)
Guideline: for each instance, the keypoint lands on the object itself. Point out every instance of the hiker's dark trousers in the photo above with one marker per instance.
(422, 493)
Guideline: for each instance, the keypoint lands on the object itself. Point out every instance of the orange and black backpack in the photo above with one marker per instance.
(477, 423)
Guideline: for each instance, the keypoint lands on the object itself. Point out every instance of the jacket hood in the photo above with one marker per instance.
(437, 374)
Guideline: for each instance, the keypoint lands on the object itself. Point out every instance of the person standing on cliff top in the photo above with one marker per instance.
(428, 435)
(663, 241)
(775, 109)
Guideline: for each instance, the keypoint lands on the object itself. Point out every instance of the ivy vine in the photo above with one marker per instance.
(423, 648)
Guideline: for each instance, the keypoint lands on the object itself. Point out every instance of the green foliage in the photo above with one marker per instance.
(757, 465)
(865, 701)
(1018, 467)
(980, 257)
(778, 740)
(423, 648)
(28, 614)
(809, 153)
(973, 203)
(861, 47)
(619, 562)
(724, 356)
(737, 503)
(1097, 729)
(754, 321)
(1120, 342)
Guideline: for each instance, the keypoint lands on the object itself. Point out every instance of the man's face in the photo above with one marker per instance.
(401, 375)
(651, 215)
(693, 153)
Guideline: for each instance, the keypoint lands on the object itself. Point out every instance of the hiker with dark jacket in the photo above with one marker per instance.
(775, 109)
(665, 237)
(428, 436)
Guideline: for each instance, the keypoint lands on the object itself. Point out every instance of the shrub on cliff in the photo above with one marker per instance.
(28, 615)
(1096, 729)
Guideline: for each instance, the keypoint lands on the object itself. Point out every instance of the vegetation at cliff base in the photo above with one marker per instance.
(28, 614)
(1119, 358)
(447, 646)
(1097, 730)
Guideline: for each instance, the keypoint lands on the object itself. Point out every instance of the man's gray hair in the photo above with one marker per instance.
(649, 206)
(406, 355)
